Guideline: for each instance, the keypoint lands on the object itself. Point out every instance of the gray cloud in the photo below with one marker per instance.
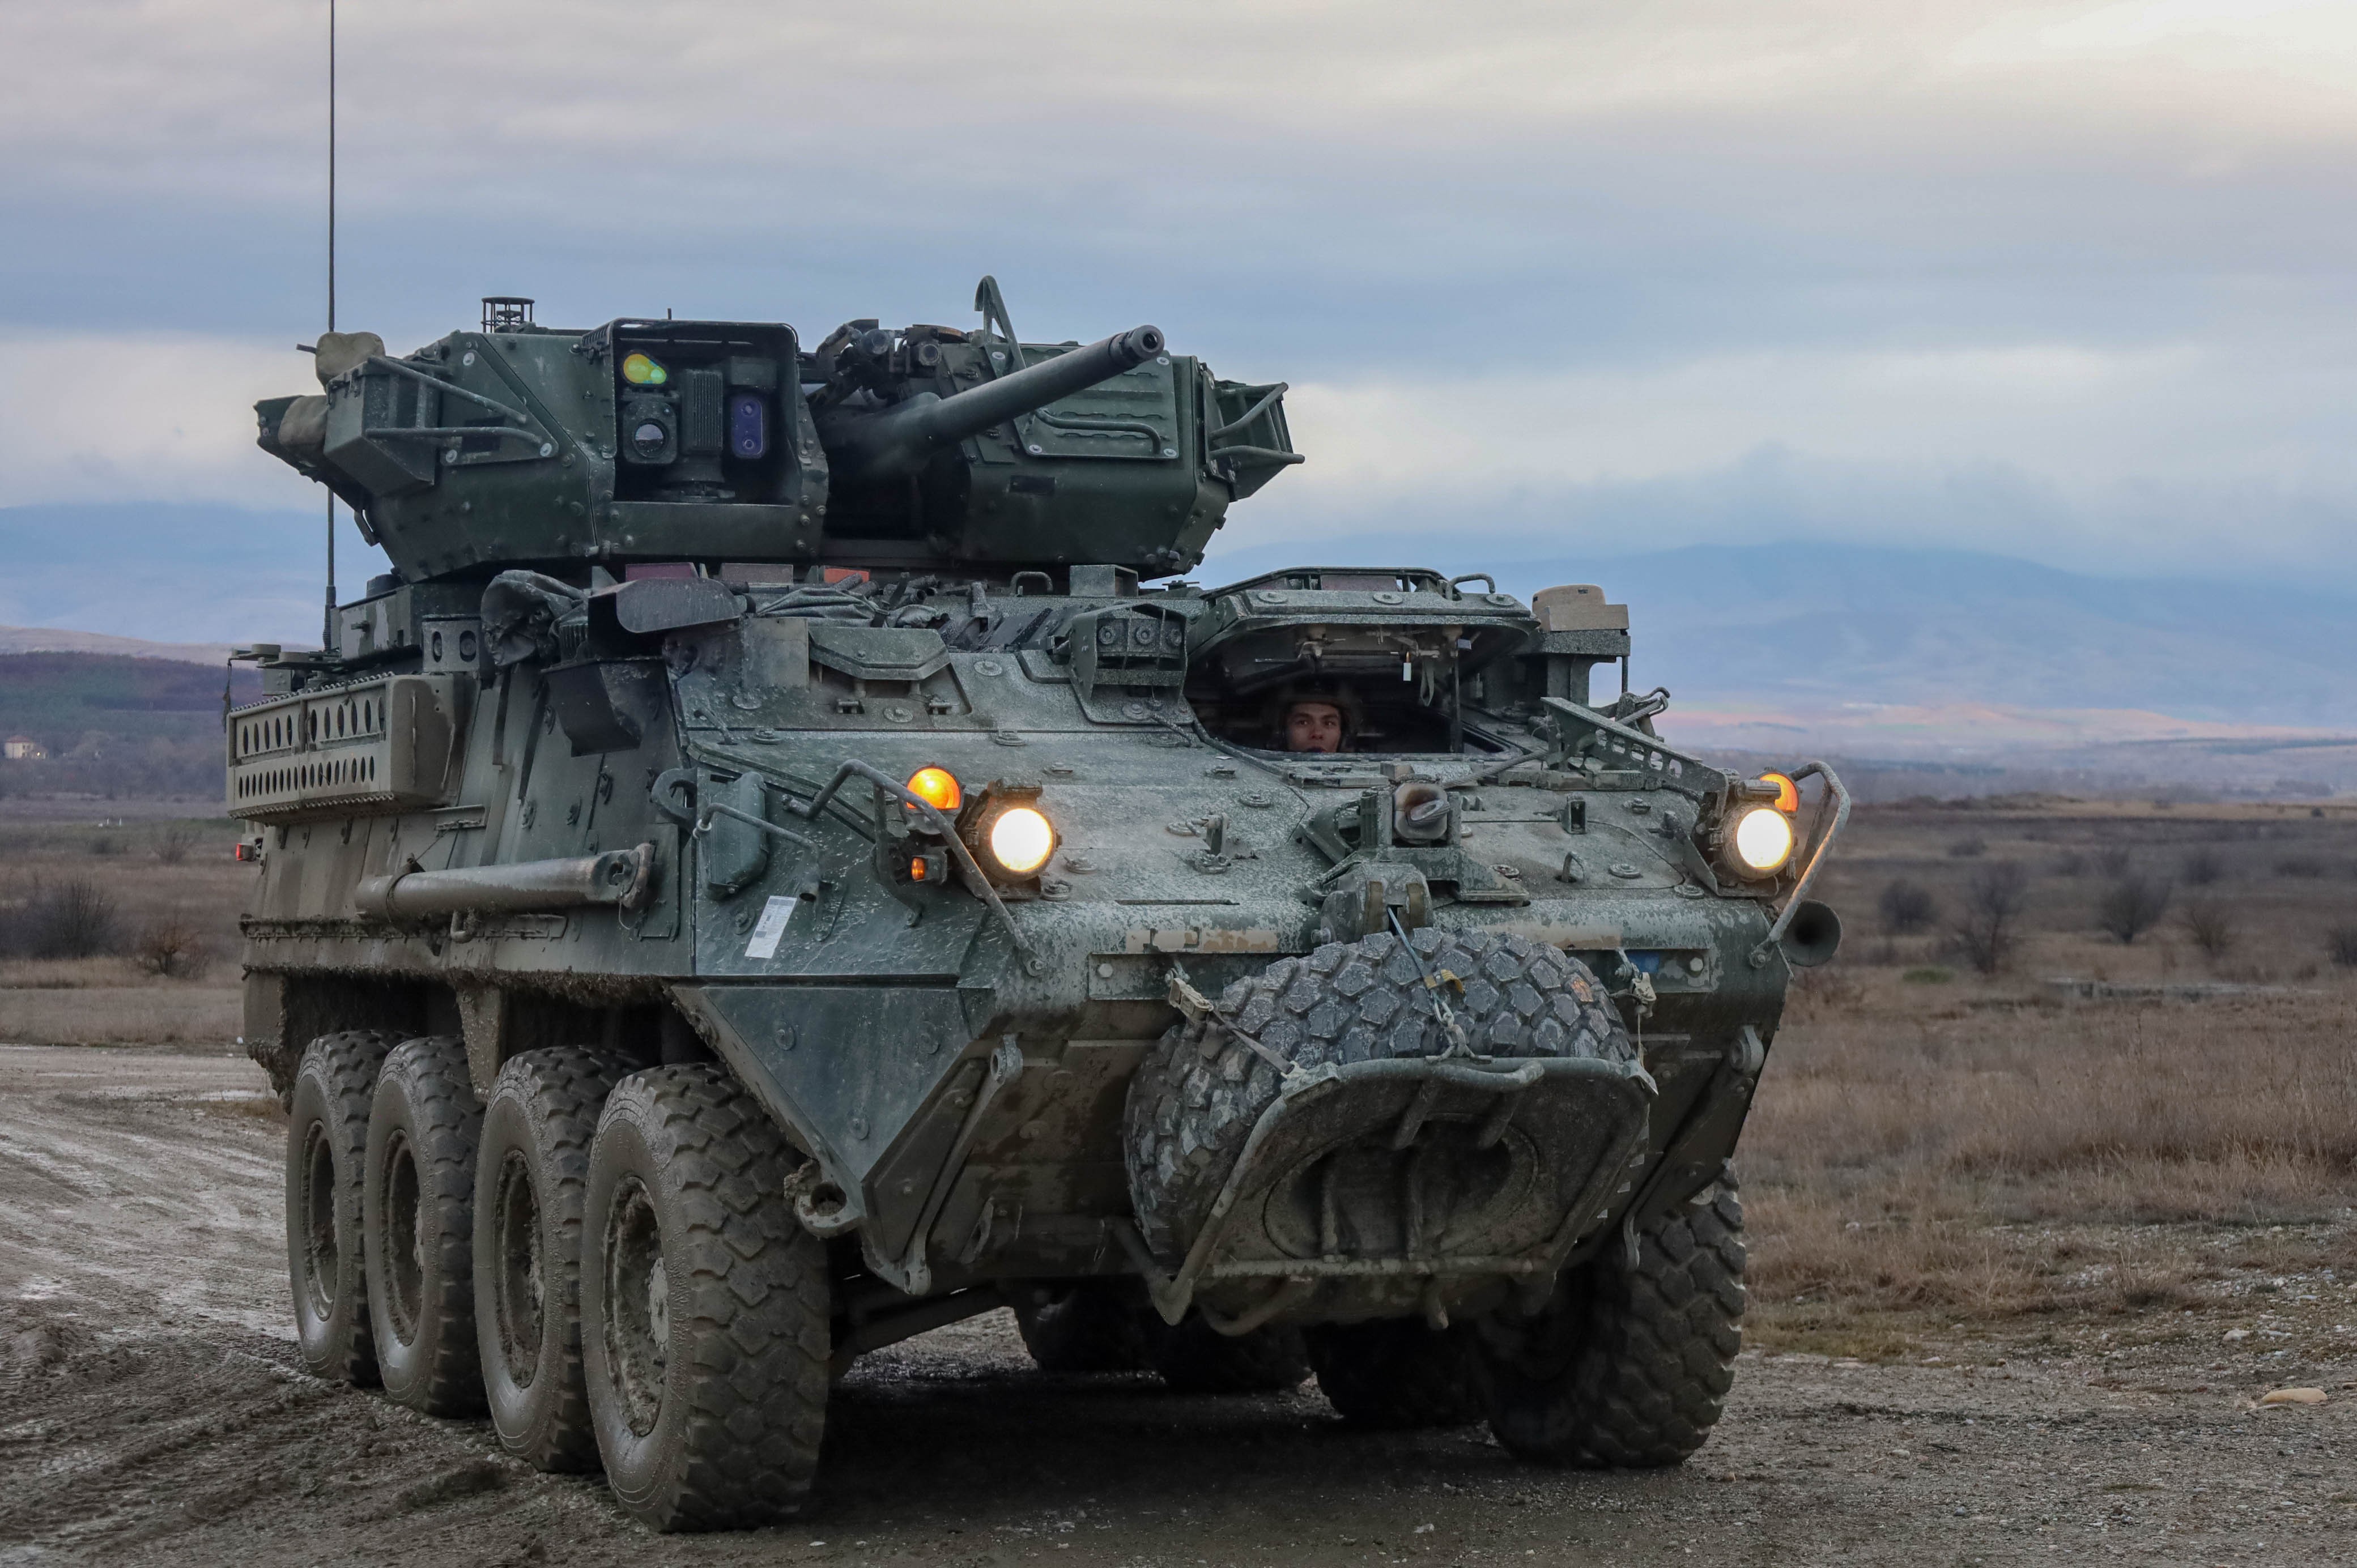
(2073, 279)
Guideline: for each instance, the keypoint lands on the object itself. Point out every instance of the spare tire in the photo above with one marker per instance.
(1197, 1096)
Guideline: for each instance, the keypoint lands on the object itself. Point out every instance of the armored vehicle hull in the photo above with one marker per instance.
(688, 973)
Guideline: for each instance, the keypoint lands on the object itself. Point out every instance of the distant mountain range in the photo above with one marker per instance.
(1808, 633)
(50, 639)
(1926, 653)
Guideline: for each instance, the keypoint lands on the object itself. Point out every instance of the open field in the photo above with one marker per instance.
(2176, 1132)
(154, 1412)
(91, 911)
(2024, 1256)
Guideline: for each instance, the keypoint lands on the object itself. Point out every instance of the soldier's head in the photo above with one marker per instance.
(1316, 716)
(1312, 725)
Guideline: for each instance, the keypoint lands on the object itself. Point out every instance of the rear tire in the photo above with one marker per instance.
(326, 1149)
(703, 1306)
(420, 1209)
(1395, 1372)
(532, 1179)
(1092, 1327)
(1196, 1359)
(1627, 1367)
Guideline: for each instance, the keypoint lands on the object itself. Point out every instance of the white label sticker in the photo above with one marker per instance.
(770, 927)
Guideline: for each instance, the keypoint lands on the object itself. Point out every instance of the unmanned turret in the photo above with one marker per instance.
(708, 442)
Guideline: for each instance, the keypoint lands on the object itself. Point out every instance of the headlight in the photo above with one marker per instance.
(1021, 840)
(1762, 841)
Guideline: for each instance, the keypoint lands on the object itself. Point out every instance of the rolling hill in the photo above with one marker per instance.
(114, 725)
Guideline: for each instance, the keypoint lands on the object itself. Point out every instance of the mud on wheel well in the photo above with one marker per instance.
(284, 1013)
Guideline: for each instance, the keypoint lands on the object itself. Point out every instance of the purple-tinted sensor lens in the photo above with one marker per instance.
(748, 424)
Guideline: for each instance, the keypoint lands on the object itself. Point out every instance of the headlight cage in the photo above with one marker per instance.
(983, 810)
(1757, 843)
(1768, 806)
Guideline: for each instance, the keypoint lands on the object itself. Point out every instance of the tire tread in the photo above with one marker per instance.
(1653, 1357)
(1198, 1092)
(756, 1296)
(561, 1091)
(432, 1075)
(344, 1065)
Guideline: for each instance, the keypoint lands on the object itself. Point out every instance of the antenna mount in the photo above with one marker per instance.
(506, 313)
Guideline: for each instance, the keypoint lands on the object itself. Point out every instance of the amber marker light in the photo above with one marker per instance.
(1021, 840)
(1788, 794)
(1762, 841)
(937, 787)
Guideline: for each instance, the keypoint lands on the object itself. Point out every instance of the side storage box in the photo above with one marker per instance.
(357, 748)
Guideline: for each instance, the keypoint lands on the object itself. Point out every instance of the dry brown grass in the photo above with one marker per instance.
(1931, 1145)
(150, 1012)
(184, 895)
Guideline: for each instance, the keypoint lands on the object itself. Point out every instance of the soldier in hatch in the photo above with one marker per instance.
(1318, 717)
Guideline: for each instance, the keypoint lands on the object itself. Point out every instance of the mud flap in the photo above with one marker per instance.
(1381, 1188)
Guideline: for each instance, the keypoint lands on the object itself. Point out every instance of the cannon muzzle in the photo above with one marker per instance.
(867, 444)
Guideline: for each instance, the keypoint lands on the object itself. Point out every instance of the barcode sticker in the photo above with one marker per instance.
(770, 927)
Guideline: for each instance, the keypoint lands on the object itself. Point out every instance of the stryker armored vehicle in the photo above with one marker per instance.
(784, 863)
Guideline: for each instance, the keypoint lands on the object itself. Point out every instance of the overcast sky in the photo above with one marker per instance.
(2067, 281)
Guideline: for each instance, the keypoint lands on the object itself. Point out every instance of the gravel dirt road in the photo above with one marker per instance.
(152, 1411)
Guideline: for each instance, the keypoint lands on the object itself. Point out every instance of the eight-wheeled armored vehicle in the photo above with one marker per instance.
(785, 861)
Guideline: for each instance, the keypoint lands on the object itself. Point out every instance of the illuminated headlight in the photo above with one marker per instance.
(1020, 841)
(1762, 841)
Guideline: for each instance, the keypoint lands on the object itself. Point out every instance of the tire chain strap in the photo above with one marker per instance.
(1197, 1007)
(1458, 1045)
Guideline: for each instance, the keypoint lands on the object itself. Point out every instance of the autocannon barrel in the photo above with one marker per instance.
(883, 443)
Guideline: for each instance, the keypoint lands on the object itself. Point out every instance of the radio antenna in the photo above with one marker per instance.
(327, 638)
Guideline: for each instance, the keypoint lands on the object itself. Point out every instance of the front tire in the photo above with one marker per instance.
(704, 1307)
(420, 1209)
(1626, 1367)
(1395, 1372)
(531, 1180)
(326, 1150)
(1089, 1327)
(1196, 1359)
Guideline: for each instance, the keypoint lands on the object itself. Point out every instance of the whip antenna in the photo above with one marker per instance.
(327, 639)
